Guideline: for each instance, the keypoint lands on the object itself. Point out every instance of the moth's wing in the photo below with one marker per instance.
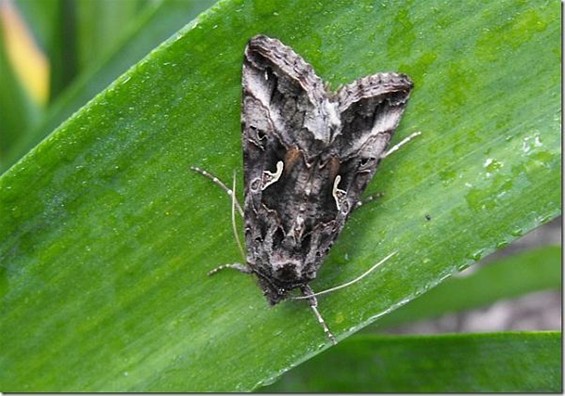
(285, 112)
(280, 105)
(370, 110)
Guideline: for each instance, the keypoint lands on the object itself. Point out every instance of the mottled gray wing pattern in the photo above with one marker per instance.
(308, 155)
(370, 110)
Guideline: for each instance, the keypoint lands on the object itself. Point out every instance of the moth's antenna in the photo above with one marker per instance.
(332, 289)
(234, 226)
(220, 184)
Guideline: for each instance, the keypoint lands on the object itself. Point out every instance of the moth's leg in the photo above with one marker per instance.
(307, 292)
(236, 266)
(235, 203)
(219, 183)
(402, 143)
(368, 199)
(391, 150)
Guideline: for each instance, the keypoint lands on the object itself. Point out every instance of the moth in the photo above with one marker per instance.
(308, 155)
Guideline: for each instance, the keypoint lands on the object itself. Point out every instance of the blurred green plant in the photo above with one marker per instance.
(517, 275)
(105, 237)
(500, 362)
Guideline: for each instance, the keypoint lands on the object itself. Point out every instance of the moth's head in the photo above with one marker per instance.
(273, 293)
(287, 272)
(284, 277)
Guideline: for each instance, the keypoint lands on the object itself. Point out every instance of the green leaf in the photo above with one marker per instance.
(41, 18)
(502, 362)
(508, 277)
(85, 31)
(149, 29)
(18, 111)
(106, 237)
(101, 25)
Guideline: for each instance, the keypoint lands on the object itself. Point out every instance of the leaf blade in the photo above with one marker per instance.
(500, 362)
(106, 237)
